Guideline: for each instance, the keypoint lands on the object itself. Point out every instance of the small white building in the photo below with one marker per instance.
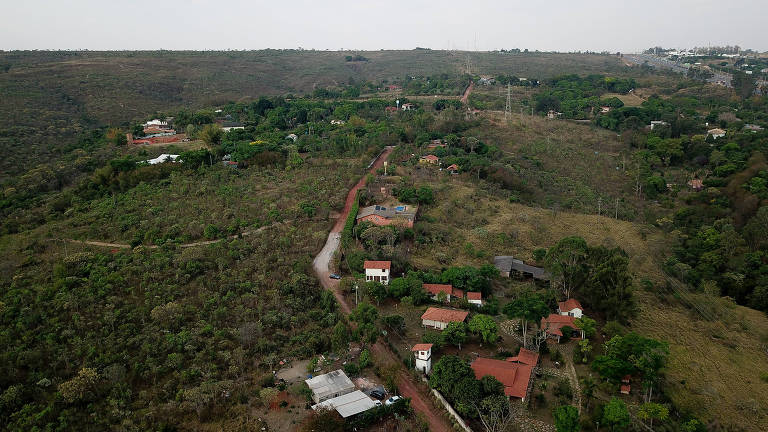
(330, 385)
(377, 271)
(475, 298)
(570, 307)
(156, 123)
(163, 158)
(423, 354)
(658, 123)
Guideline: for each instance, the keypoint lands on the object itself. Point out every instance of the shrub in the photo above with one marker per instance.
(351, 369)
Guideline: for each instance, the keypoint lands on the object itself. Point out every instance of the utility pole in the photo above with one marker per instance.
(355, 293)
(599, 204)
(508, 107)
(617, 208)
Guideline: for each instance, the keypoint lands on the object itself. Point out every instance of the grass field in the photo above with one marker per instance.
(715, 366)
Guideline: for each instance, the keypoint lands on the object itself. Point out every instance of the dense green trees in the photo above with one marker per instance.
(484, 326)
(566, 418)
(633, 355)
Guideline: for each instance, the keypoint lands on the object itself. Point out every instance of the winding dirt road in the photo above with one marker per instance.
(420, 399)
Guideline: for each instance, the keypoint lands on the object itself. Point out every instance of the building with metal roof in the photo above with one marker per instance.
(349, 404)
(330, 385)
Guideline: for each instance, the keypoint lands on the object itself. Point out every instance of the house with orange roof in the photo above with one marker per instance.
(377, 271)
(525, 356)
(475, 298)
(439, 318)
(453, 169)
(447, 289)
(429, 159)
(553, 324)
(516, 377)
(570, 307)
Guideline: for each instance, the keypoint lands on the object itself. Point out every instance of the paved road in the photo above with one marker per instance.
(420, 400)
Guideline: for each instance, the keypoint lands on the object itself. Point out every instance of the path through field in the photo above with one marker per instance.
(467, 92)
(183, 245)
(420, 400)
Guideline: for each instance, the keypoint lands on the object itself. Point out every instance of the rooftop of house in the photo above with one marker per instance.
(384, 265)
(444, 315)
(555, 322)
(474, 295)
(349, 404)
(569, 305)
(525, 356)
(453, 167)
(435, 289)
(430, 158)
(422, 347)
(514, 376)
(509, 263)
(332, 382)
(388, 211)
(716, 131)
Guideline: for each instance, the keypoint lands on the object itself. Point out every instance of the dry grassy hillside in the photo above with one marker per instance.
(715, 365)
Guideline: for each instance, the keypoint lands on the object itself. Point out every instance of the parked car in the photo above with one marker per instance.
(334, 276)
(378, 394)
(392, 400)
(377, 403)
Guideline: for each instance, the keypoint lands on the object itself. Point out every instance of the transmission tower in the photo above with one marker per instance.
(508, 107)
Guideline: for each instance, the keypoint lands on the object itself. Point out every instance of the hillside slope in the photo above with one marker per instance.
(50, 98)
(715, 363)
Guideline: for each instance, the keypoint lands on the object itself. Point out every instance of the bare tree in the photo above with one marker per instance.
(495, 413)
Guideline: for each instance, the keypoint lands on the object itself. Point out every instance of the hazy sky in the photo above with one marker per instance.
(561, 25)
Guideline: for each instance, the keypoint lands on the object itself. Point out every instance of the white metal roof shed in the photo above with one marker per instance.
(349, 404)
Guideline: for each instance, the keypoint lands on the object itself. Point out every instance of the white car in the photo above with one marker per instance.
(377, 403)
(392, 400)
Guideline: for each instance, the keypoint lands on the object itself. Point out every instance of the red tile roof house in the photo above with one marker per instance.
(453, 169)
(553, 324)
(525, 356)
(377, 271)
(435, 143)
(430, 159)
(570, 307)
(475, 298)
(449, 290)
(516, 377)
(438, 318)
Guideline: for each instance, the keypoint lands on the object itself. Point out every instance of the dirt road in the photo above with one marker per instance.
(420, 399)
(467, 92)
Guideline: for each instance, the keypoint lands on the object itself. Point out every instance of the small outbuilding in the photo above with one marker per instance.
(570, 307)
(330, 385)
(349, 404)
